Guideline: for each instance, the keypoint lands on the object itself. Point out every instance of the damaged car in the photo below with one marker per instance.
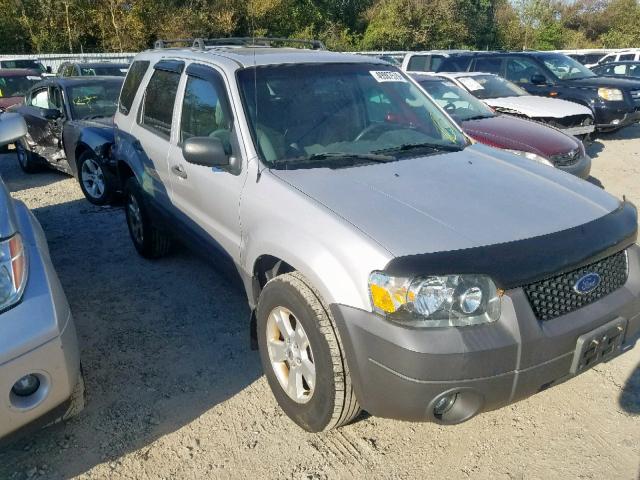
(70, 122)
(506, 97)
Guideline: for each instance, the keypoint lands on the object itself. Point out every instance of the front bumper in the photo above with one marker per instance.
(615, 115)
(399, 372)
(38, 337)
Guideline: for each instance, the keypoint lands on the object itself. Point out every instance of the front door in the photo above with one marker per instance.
(45, 117)
(209, 197)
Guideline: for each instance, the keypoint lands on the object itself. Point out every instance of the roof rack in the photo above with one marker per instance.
(203, 43)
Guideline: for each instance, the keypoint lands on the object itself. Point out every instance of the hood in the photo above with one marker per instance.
(477, 197)
(505, 131)
(603, 81)
(8, 223)
(6, 102)
(539, 107)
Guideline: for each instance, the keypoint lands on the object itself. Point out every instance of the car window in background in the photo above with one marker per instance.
(103, 71)
(40, 98)
(93, 100)
(457, 102)
(634, 70)
(17, 86)
(456, 63)
(566, 68)
(491, 86)
(158, 103)
(29, 64)
(418, 63)
(131, 84)
(521, 70)
(619, 69)
(592, 58)
(627, 56)
(488, 65)
(608, 58)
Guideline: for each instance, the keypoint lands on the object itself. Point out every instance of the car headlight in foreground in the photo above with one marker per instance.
(532, 156)
(13, 271)
(436, 301)
(610, 94)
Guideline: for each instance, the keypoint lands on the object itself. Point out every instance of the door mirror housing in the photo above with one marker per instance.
(12, 128)
(538, 79)
(51, 113)
(205, 151)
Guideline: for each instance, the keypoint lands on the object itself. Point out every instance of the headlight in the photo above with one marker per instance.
(610, 94)
(13, 271)
(436, 301)
(532, 156)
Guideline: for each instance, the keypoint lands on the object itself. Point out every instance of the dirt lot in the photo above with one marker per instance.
(175, 392)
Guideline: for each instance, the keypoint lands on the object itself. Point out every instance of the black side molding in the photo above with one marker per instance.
(521, 262)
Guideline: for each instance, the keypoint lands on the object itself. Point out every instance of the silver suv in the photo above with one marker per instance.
(390, 263)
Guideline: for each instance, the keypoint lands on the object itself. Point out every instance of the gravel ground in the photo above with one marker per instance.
(174, 390)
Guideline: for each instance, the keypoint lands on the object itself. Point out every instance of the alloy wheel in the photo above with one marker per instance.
(92, 178)
(134, 218)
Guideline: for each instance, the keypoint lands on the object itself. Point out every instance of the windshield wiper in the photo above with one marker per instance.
(437, 147)
(332, 160)
(476, 117)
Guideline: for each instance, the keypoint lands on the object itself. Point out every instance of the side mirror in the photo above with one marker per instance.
(51, 113)
(538, 79)
(12, 128)
(205, 151)
(49, 70)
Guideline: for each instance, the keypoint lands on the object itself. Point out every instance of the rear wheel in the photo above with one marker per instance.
(26, 158)
(302, 355)
(94, 183)
(150, 242)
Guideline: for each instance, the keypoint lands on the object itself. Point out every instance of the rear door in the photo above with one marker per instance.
(152, 130)
(44, 132)
(208, 197)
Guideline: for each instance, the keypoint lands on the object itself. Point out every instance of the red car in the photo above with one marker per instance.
(530, 139)
(14, 83)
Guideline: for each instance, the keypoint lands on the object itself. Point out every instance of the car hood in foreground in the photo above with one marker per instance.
(477, 197)
(539, 107)
(505, 131)
(8, 223)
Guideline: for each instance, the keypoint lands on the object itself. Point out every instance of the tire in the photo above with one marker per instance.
(330, 401)
(95, 185)
(150, 242)
(26, 158)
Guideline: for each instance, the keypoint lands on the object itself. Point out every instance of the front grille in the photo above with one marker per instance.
(556, 296)
(566, 159)
(635, 94)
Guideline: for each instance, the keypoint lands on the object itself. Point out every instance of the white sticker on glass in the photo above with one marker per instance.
(470, 84)
(387, 76)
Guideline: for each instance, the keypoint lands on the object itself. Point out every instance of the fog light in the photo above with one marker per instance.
(26, 386)
(444, 404)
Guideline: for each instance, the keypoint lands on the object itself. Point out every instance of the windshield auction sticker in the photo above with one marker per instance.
(471, 84)
(382, 76)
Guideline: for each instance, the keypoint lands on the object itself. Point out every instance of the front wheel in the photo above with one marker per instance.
(26, 159)
(302, 356)
(95, 185)
(150, 242)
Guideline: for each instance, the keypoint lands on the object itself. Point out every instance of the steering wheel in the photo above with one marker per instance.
(371, 129)
(450, 108)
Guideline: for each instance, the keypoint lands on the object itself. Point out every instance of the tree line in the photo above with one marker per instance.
(75, 26)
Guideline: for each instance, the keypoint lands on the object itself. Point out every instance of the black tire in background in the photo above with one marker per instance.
(333, 402)
(149, 241)
(98, 190)
(26, 159)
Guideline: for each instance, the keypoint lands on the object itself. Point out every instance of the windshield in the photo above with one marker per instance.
(566, 68)
(94, 100)
(456, 102)
(329, 112)
(107, 71)
(16, 86)
(491, 86)
(30, 64)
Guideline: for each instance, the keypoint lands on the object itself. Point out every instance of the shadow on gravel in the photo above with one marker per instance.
(162, 343)
(630, 397)
(16, 180)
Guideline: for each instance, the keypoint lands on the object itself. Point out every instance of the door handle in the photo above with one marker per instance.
(179, 171)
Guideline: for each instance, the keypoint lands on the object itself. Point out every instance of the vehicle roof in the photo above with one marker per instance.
(99, 64)
(18, 72)
(259, 56)
(464, 74)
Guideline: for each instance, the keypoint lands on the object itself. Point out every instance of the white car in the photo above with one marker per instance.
(506, 97)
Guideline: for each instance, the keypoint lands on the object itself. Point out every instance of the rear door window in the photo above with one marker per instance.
(159, 99)
(627, 56)
(488, 65)
(131, 84)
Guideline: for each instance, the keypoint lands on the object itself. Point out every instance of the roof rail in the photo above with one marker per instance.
(203, 43)
(160, 43)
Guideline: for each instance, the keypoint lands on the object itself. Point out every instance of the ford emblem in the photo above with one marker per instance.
(587, 284)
